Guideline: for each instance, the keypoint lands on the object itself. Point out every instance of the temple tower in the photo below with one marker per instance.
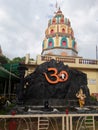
(59, 37)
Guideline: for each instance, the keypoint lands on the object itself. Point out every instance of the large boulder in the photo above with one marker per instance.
(64, 87)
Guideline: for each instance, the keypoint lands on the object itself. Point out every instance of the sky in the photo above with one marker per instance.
(23, 24)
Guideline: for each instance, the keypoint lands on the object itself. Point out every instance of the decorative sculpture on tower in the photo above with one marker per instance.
(59, 37)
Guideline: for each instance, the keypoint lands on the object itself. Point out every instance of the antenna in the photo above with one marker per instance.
(57, 5)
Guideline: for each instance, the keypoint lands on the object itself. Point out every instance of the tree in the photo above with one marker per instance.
(4, 60)
(18, 60)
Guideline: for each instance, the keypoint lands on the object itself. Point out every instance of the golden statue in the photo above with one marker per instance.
(81, 97)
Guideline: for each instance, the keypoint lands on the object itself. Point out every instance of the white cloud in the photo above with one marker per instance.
(37, 17)
(3, 15)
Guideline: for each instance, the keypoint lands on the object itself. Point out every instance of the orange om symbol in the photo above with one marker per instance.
(61, 77)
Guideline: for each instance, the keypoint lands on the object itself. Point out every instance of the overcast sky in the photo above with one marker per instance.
(23, 24)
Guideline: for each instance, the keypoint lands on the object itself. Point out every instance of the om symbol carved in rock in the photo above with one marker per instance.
(59, 77)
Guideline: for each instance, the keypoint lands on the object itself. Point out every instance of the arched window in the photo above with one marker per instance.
(64, 42)
(62, 20)
(54, 21)
(63, 30)
(52, 31)
(50, 43)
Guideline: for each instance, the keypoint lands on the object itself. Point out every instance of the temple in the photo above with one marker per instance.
(59, 37)
(60, 44)
(51, 92)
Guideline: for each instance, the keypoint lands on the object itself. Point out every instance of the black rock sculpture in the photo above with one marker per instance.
(40, 89)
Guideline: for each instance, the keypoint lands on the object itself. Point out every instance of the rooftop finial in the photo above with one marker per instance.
(59, 8)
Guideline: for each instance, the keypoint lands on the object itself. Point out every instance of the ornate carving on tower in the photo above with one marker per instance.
(59, 37)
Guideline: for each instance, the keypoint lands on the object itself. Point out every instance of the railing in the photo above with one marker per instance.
(46, 58)
(70, 60)
(67, 60)
(86, 61)
(55, 121)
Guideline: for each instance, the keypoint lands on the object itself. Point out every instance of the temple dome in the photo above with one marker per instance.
(59, 37)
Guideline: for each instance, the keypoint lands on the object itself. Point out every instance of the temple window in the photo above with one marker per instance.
(63, 30)
(62, 20)
(52, 31)
(54, 21)
(50, 43)
(64, 42)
